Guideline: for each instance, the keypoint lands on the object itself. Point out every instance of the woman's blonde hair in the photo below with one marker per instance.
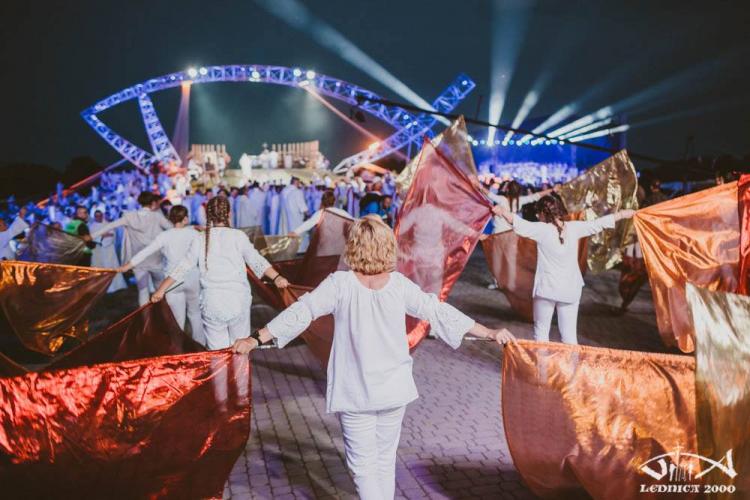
(371, 246)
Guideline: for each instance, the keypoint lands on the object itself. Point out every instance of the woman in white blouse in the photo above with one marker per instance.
(327, 203)
(370, 370)
(558, 281)
(220, 254)
(174, 244)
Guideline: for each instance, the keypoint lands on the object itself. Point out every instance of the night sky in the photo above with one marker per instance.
(58, 58)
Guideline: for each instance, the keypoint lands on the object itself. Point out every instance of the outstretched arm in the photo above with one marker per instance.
(149, 250)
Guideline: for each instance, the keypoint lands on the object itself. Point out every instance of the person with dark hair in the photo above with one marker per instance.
(327, 203)
(655, 194)
(78, 226)
(173, 244)
(221, 254)
(558, 281)
(141, 228)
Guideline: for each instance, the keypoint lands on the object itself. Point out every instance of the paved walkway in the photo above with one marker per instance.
(452, 444)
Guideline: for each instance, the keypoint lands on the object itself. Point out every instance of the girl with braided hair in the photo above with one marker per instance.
(558, 281)
(221, 253)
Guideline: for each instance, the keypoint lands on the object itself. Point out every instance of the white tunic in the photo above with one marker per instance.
(247, 213)
(225, 291)
(558, 276)
(499, 224)
(173, 244)
(16, 227)
(141, 228)
(294, 206)
(313, 221)
(370, 367)
(105, 256)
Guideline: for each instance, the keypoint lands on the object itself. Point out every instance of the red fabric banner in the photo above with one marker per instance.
(441, 220)
(171, 426)
(743, 198)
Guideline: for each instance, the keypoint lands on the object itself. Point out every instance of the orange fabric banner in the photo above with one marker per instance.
(46, 303)
(743, 195)
(722, 384)
(441, 220)
(512, 262)
(693, 238)
(585, 421)
(166, 427)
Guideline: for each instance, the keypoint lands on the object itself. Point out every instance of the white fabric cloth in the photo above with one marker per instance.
(558, 277)
(16, 227)
(567, 319)
(315, 218)
(105, 256)
(225, 291)
(370, 367)
(370, 442)
(141, 228)
(499, 224)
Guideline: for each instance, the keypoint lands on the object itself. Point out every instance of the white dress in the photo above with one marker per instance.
(558, 277)
(370, 367)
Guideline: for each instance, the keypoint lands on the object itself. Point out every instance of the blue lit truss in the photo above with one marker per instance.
(410, 127)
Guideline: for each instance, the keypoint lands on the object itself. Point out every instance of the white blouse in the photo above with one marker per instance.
(370, 367)
(499, 224)
(312, 221)
(173, 243)
(558, 276)
(225, 291)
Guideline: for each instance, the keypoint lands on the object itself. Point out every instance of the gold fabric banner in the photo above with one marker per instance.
(693, 238)
(453, 143)
(45, 303)
(722, 383)
(604, 189)
(585, 420)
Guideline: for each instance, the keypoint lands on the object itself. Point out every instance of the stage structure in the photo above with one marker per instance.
(410, 128)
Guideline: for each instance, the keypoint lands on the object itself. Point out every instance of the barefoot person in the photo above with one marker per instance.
(174, 244)
(220, 254)
(557, 282)
(370, 370)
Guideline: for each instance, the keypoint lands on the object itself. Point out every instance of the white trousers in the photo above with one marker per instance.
(222, 334)
(567, 319)
(184, 301)
(370, 442)
(144, 277)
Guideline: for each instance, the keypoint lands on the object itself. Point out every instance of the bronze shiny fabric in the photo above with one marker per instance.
(453, 143)
(47, 244)
(604, 189)
(47, 303)
(512, 262)
(581, 421)
(275, 248)
(439, 225)
(165, 427)
(633, 276)
(743, 199)
(693, 238)
(148, 331)
(722, 382)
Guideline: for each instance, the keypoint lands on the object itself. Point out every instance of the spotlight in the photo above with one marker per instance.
(464, 82)
(475, 143)
(256, 74)
(511, 142)
(304, 83)
(297, 72)
(192, 72)
(373, 146)
(310, 74)
(406, 118)
(203, 71)
(497, 142)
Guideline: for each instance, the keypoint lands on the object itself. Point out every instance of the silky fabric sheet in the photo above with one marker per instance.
(147, 332)
(722, 382)
(48, 244)
(693, 238)
(328, 240)
(453, 143)
(603, 189)
(582, 420)
(743, 199)
(171, 426)
(512, 262)
(45, 303)
(633, 276)
(275, 248)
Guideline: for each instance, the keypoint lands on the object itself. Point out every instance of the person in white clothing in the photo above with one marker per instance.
(141, 228)
(104, 254)
(558, 281)
(294, 206)
(370, 378)
(220, 254)
(245, 211)
(7, 233)
(184, 301)
(327, 204)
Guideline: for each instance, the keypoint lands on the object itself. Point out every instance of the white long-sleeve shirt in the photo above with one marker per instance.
(225, 291)
(499, 224)
(370, 367)
(315, 218)
(558, 276)
(173, 244)
(141, 228)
